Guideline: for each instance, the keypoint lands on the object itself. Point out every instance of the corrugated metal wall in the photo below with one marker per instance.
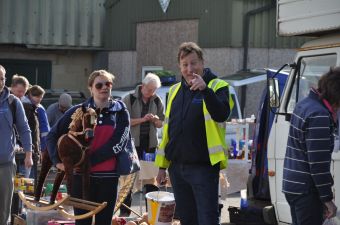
(262, 27)
(52, 23)
(93, 24)
(220, 22)
(123, 16)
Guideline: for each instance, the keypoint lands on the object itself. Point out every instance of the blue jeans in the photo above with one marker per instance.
(305, 209)
(102, 189)
(27, 172)
(196, 193)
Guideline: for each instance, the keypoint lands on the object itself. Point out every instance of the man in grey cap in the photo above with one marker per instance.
(57, 110)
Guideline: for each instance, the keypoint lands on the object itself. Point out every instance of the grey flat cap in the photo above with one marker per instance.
(65, 100)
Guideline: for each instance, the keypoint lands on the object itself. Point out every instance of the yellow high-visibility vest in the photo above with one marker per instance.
(215, 132)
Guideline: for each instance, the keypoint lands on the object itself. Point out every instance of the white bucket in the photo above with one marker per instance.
(161, 207)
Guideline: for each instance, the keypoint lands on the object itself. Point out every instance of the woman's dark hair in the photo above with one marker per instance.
(329, 86)
(189, 47)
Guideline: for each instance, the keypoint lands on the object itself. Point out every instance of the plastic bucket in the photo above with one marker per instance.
(161, 207)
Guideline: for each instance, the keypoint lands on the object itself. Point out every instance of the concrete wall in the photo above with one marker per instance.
(72, 72)
(226, 61)
(123, 65)
(157, 43)
(70, 69)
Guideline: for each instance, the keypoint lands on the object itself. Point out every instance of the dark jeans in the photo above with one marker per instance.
(196, 193)
(141, 150)
(102, 189)
(305, 209)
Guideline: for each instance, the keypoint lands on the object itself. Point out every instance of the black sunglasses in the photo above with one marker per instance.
(100, 85)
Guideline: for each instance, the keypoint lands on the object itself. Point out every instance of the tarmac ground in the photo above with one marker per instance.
(138, 205)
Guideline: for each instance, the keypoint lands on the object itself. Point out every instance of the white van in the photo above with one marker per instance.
(236, 112)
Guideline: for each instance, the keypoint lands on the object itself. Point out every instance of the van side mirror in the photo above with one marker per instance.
(273, 91)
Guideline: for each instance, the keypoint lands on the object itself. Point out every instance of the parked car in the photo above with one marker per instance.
(52, 95)
(120, 93)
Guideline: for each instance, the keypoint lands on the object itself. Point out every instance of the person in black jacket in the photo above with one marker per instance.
(197, 107)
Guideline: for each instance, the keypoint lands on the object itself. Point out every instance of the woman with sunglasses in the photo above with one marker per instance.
(110, 134)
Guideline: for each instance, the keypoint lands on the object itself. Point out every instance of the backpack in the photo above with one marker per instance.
(33, 122)
(12, 107)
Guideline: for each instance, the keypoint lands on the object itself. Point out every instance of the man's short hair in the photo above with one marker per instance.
(3, 69)
(189, 47)
(19, 79)
(152, 78)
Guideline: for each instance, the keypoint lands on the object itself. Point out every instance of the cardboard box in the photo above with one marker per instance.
(42, 217)
(18, 220)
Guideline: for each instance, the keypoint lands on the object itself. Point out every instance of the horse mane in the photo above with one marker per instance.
(77, 115)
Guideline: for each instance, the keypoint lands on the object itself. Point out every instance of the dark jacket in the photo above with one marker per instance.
(135, 108)
(309, 149)
(187, 136)
(112, 124)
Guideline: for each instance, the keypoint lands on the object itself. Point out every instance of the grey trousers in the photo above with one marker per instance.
(7, 173)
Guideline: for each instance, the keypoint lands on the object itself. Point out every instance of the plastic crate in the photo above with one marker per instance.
(247, 216)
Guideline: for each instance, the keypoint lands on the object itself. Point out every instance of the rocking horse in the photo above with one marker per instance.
(72, 152)
(72, 149)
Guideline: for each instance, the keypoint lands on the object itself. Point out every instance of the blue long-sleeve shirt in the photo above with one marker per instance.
(44, 126)
(7, 137)
(309, 149)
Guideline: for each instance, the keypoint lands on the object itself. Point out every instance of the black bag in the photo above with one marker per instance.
(127, 159)
(248, 216)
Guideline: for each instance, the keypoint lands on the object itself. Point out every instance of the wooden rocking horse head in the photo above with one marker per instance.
(83, 122)
(72, 150)
(81, 129)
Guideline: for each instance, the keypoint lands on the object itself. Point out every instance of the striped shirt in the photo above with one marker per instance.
(309, 149)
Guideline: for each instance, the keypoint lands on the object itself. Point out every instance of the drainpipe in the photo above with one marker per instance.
(108, 4)
(245, 44)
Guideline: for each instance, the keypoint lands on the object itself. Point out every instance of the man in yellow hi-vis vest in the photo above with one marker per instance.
(193, 147)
